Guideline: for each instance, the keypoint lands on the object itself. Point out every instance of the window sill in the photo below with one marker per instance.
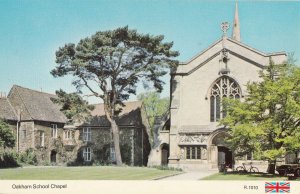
(194, 159)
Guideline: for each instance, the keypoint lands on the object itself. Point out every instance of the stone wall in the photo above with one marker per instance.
(43, 152)
(261, 165)
(131, 144)
(26, 134)
(134, 143)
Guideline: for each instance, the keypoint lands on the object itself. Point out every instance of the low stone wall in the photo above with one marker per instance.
(191, 165)
(261, 165)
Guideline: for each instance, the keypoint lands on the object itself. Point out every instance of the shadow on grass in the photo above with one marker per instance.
(259, 175)
(255, 174)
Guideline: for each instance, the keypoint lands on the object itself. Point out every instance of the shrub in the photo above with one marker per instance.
(78, 161)
(9, 160)
(28, 157)
(7, 139)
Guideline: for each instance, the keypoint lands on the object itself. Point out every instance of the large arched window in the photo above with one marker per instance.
(224, 87)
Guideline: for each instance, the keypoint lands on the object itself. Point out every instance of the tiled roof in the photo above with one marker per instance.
(36, 105)
(130, 115)
(129, 106)
(6, 110)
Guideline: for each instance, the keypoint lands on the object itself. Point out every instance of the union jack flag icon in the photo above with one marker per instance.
(277, 187)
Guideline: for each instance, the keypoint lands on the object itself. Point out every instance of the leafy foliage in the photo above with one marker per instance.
(73, 106)
(154, 105)
(121, 56)
(28, 157)
(9, 160)
(111, 63)
(267, 122)
(7, 138)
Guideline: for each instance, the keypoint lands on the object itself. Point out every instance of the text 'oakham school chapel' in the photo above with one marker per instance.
(190, 137)
(40, 126)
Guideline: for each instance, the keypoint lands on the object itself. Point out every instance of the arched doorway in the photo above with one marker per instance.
(53, 156)
(220, 154)
(164, 154)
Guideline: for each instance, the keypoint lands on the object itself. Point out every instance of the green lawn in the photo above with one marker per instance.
(84, 173)
(253, 177)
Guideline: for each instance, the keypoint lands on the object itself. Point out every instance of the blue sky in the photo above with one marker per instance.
(32, 30)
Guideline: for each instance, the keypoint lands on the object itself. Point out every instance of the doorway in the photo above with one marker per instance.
(164, 154)
(53, 156)
(224, 156)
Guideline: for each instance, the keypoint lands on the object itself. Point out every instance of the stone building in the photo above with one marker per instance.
(39, 125)
(190, 136)
(96, 139)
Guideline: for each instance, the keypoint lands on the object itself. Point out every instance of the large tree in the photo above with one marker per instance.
(7, 139)
(109, 64)
(267, 122)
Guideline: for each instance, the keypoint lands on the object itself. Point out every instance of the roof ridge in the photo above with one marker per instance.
(33, 90)
(254, 49)
(247, 46)
(201, 52)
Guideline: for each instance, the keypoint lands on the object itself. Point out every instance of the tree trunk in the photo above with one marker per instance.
(116, 139)
(271, 167)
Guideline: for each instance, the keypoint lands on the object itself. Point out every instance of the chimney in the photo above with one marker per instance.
(2, 95)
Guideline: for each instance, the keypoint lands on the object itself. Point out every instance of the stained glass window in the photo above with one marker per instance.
(224, 87)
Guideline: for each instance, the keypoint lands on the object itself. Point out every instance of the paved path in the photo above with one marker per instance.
(192, 175)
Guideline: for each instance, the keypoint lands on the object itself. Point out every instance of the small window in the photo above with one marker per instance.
(54, 130)
(87, 134)
(68, 134)
(193, 152)
(87, 154)
(188, 152)
(198, 151)
(42, 138)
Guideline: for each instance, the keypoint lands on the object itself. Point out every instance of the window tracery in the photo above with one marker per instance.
(224, 87)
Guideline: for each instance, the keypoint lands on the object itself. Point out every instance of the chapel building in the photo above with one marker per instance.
(189, 136)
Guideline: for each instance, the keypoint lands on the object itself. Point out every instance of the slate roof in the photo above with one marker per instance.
(6, 110)
(130, 115)
(36, 105)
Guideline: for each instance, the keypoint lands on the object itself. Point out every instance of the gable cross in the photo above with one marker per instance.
(224, 27)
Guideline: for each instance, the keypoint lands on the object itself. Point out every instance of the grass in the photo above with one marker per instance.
(249, 177)
(84, 173)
